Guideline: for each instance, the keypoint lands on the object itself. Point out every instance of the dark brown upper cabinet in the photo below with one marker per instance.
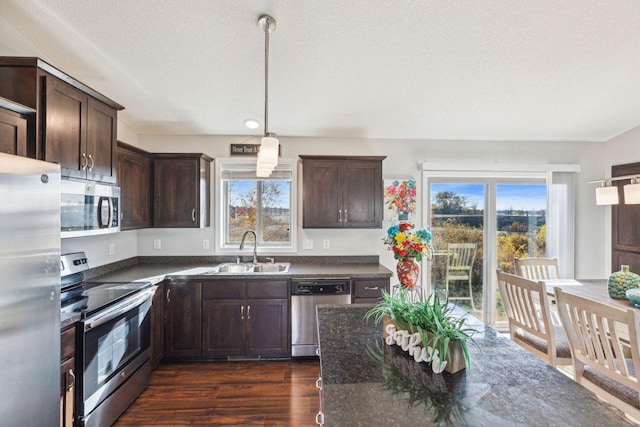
(181, 189)
(75, 126)
(625, 224)
(13, 133)
(342, 192)
(135, 178)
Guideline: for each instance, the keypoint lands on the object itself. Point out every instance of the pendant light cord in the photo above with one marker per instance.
(266, 76)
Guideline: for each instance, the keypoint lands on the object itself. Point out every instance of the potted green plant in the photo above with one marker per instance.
(433, 320)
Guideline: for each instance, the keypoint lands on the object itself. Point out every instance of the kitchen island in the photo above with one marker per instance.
(365, 382)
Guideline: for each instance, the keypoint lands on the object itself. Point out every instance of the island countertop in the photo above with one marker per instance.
(366, 382)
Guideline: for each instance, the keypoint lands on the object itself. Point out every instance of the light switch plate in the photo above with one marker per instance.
(307, 244)
(325, 244)
(112, 248)
(157, 244)
(205, 243)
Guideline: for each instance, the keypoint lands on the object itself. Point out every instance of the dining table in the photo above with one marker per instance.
(595, 289)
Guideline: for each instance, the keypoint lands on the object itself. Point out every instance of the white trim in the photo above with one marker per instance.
(497, 167)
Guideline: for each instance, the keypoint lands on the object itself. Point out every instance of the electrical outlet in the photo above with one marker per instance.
(112, 248)
(325, 244)
(157, 244)
(307, 244)
(205, 243)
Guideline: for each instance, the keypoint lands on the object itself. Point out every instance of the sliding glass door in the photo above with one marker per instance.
(479, 225)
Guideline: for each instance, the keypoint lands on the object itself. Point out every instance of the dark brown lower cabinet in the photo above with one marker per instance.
(183, 328)
(246, 318)
(157, 326)
(368, 291)
(67, 376)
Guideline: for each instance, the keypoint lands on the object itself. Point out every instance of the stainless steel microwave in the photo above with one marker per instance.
(88, 208)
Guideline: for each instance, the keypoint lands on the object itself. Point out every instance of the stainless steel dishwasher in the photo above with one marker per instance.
(305, 295)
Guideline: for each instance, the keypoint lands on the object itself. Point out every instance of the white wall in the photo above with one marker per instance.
(402, 161)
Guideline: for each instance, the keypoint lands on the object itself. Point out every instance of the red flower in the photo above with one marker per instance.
(404, 226)
(403, 252)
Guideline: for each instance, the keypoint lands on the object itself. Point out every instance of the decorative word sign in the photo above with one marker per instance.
(411, 343)
(244, 149)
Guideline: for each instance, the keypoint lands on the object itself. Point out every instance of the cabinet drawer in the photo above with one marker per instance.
(268, 289)
(223, 289)
(68, 343)
(369, 288)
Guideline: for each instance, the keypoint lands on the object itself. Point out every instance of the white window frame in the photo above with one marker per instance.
(222, 164)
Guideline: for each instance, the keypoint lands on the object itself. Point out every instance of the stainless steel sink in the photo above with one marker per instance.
(268, 267)
(233, 268)
(250, 268)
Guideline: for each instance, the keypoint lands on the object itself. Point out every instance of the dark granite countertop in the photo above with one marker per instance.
(367, 383)
(158, 272)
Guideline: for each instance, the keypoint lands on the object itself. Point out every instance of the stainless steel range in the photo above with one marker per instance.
(114, 335)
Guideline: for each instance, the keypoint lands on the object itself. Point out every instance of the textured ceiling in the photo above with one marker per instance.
(474, 70)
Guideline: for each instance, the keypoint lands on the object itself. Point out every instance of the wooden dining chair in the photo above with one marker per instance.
(603, 361)
(529, 315)
(537, 268)
(460, 259)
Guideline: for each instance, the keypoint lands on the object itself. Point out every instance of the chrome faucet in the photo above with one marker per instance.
(255, 244)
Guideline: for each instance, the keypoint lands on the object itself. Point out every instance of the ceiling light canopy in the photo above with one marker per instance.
(252, 123)
(269, 145)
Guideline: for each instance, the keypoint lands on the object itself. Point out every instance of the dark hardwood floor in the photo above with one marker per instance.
(262, 393)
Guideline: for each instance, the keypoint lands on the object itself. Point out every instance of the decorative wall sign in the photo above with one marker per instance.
(245, 149)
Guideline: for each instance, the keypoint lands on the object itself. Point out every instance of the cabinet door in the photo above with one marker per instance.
(224, 330)
(176, 186)
(322, 200)
(362, 194)
(101, 141)
(64, 138)
(134, 179)
(67, 392)
(157, 326)
(268, 327)
(13, 133)
(184, 319)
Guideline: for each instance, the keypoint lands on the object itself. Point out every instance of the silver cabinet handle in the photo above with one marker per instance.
(346, 217)
(242, 312)
(340, 213)
(193, 215)
(85, 163)
(71, 383)
(168, 293)
(92, 163)
(319, 383)
(248, 312)
(320, 418)
(371, 288)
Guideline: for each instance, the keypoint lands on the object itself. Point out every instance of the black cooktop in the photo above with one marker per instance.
(91, 297)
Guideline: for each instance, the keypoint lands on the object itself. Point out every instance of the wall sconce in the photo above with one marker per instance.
(632, 192)
(607, 194)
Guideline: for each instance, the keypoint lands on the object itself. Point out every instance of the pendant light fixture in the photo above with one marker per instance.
(269, 145)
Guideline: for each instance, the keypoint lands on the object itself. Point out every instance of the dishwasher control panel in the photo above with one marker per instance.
(333, 286)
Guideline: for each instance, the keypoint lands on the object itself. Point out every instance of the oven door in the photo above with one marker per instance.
(116, 342)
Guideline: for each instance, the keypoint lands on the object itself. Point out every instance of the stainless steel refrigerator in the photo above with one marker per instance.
(29, 292)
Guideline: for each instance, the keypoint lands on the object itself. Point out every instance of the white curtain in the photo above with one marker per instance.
(561, 221)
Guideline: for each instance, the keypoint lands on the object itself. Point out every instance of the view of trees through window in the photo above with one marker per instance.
(260, 205)
(458, 216)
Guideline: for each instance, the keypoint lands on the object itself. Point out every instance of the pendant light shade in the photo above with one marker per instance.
(632, 192)
(269, 145)
(607, 195)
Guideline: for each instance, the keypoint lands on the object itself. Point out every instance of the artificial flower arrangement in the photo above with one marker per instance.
(401, 196)
(405, 243)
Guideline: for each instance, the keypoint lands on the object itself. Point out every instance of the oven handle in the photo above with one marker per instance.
(118, 309)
